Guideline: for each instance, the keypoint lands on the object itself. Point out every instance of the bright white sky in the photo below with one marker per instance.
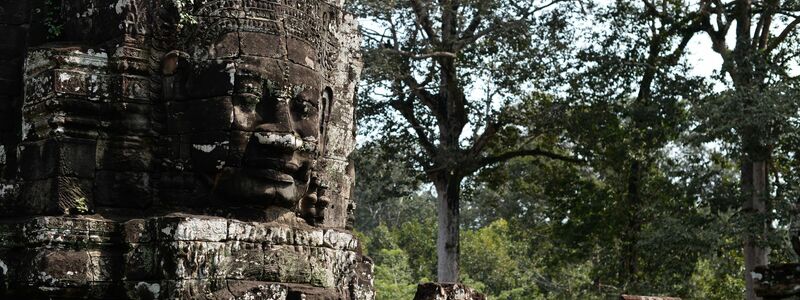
(704, 60)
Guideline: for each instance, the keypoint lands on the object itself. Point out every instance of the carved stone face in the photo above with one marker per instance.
(235, 121)
(255, 124)
(276, 137)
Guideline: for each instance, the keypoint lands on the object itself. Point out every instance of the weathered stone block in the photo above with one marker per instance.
(256, 44)
(197, 289)
(71, 82)
(58, 157)
(105, 264)
(446, 291)
(59, 268)
(123, 189)
(302, 53)
(58, 195)
(144, 290)
(194, 228)
(131, 50)
(132, 89)
(137, 231)
(319, 267)
(65, 231)
(140, 262)
(254, 65)
(192, 257)
(68, 68)
(128, 119)
(245, 260)
(125, 153)
(59, 117)
(258, 290)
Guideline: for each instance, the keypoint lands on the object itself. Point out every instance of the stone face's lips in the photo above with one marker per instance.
(280, 157)
(271, 174)
(275, 169)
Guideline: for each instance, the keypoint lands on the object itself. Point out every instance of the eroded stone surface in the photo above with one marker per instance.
(777, 281)
(230, 106)
(446, 291)
(174, 149)
(182, 257)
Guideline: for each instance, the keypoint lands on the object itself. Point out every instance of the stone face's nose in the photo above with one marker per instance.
(273, 114)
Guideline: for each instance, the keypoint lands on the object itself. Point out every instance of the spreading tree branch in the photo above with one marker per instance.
(406, 109)
(420, 56)
(424, 20)
(782, 36)
(490, 160)
(483, 139)
(470, 35)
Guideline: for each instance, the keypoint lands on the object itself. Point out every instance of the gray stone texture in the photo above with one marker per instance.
(179, 257)
(446, 291)
(176, 149)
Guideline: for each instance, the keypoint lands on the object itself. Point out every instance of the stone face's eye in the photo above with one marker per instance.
(303, 108)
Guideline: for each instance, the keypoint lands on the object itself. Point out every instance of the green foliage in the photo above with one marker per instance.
(185, 17)
(388, 191)
(490, 259)
(393, 276)
(750, 121)
(81, 206)
(419, 240)
(655, 205)
(718, 277)
(52, 19)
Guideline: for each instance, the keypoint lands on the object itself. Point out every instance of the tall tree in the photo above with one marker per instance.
(440, 79)
(640, 52)
(751, 39)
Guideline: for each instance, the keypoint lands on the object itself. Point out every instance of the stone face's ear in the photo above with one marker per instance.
(326, 103)
(312, 206)
(322, 202)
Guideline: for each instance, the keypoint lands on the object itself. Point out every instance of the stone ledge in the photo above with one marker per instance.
(777, 281)
(446, 291)
(58, 230)
(176, 255)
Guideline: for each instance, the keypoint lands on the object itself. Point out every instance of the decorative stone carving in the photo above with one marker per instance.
(183, 149)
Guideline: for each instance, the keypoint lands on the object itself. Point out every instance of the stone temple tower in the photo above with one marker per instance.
(178, 149)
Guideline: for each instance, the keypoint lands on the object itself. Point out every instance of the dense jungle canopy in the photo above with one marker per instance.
(575, 149)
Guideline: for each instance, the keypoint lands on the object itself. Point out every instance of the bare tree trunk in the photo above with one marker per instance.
(448, 188)
(754, 188)
(630, 237)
